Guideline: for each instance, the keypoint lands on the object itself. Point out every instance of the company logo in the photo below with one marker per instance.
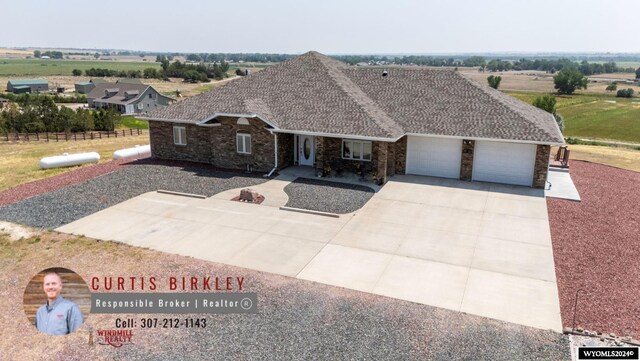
(115, 338)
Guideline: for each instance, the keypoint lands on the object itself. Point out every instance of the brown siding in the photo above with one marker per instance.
(400, 150)
(216, 145)
(285, 150)
(329, 152)
(541, 166)
(466, 163)
(197, 148)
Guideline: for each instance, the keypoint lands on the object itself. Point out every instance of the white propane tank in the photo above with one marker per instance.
(143, 151)
(67, 160)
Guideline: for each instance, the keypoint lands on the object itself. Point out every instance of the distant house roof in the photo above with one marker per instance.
(29, 82)
(314, 93)
(84, 83)
(129, 81)
(118, 93)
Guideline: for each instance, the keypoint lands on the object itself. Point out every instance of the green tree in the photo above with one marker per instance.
(66, 116)
(568, 80)
(76, 72)
(37, 53)
(638, 73)
(105, 119)
(612, 87)
(494, 81)
(150, 73)
(96, 55)
(546, 103)
(625, 93)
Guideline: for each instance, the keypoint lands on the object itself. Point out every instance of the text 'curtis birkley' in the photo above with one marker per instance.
(192, 283)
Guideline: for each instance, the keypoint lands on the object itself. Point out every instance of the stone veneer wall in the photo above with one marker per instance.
(285, 150)
(216, 145)
(329, 151)
(541, 166)
(197, 148)
(400, 151)
(466, 163)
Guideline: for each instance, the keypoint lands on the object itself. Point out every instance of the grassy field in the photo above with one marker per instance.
(596, 116)
(614, 156)
(130, 121)
(20, 162)
(51, 67)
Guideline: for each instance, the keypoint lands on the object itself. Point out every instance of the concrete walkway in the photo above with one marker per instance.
(471, 247)
(560, 185)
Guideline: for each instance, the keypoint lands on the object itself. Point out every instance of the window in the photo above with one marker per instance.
(150, 96)
(243, 141)
(179, 135)
(140, 106)
(356, 149)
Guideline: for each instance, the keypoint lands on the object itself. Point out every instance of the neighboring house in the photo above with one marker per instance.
(127, 98)
(27, 86)
(87, 86)
(318, 112)
(3, 101)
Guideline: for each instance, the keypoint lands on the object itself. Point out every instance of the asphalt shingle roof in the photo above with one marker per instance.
(315, 93)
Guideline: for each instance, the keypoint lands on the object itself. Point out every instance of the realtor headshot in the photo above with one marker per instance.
(56, 301)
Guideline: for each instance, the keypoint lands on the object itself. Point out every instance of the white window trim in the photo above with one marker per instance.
(362, 142)
(245, 138)
(181, 140)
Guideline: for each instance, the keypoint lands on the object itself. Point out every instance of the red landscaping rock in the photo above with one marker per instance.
(596, 246)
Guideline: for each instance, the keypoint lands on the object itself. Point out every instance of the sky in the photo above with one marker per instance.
(327, 26)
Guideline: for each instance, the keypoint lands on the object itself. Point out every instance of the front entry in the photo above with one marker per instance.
(305, 150)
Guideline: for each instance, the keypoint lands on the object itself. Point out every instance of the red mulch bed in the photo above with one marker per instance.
(596, 245)
(27, 190)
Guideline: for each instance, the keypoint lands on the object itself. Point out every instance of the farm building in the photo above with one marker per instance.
(27, 86)
(84, 87)
(127, 98)
(318, 112)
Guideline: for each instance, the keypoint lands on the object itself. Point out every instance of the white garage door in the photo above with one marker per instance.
(509, 163)
(437, 157)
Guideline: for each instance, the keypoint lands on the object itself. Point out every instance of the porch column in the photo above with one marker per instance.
(381, 161)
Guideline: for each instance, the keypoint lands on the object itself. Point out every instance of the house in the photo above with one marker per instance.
(27, 86)
(318, 112)
(127, 98)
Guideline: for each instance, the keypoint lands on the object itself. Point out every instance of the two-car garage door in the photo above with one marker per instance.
(498, 162)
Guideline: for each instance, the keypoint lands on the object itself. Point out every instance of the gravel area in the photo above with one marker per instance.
(62, 180)
(596, 246)
(326, 196)
(65, 205)
(296, 319)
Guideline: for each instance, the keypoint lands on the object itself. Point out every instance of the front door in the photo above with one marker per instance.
(305, 150)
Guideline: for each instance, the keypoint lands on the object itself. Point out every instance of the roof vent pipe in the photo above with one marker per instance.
(385, 72)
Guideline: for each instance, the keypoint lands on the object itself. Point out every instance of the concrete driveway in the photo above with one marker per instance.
(477, 248)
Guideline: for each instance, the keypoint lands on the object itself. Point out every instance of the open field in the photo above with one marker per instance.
(48, 67)
(541, 82)
(167, 88)
(22, 158)
(616, 156)
(129, 121)
(596, 116)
